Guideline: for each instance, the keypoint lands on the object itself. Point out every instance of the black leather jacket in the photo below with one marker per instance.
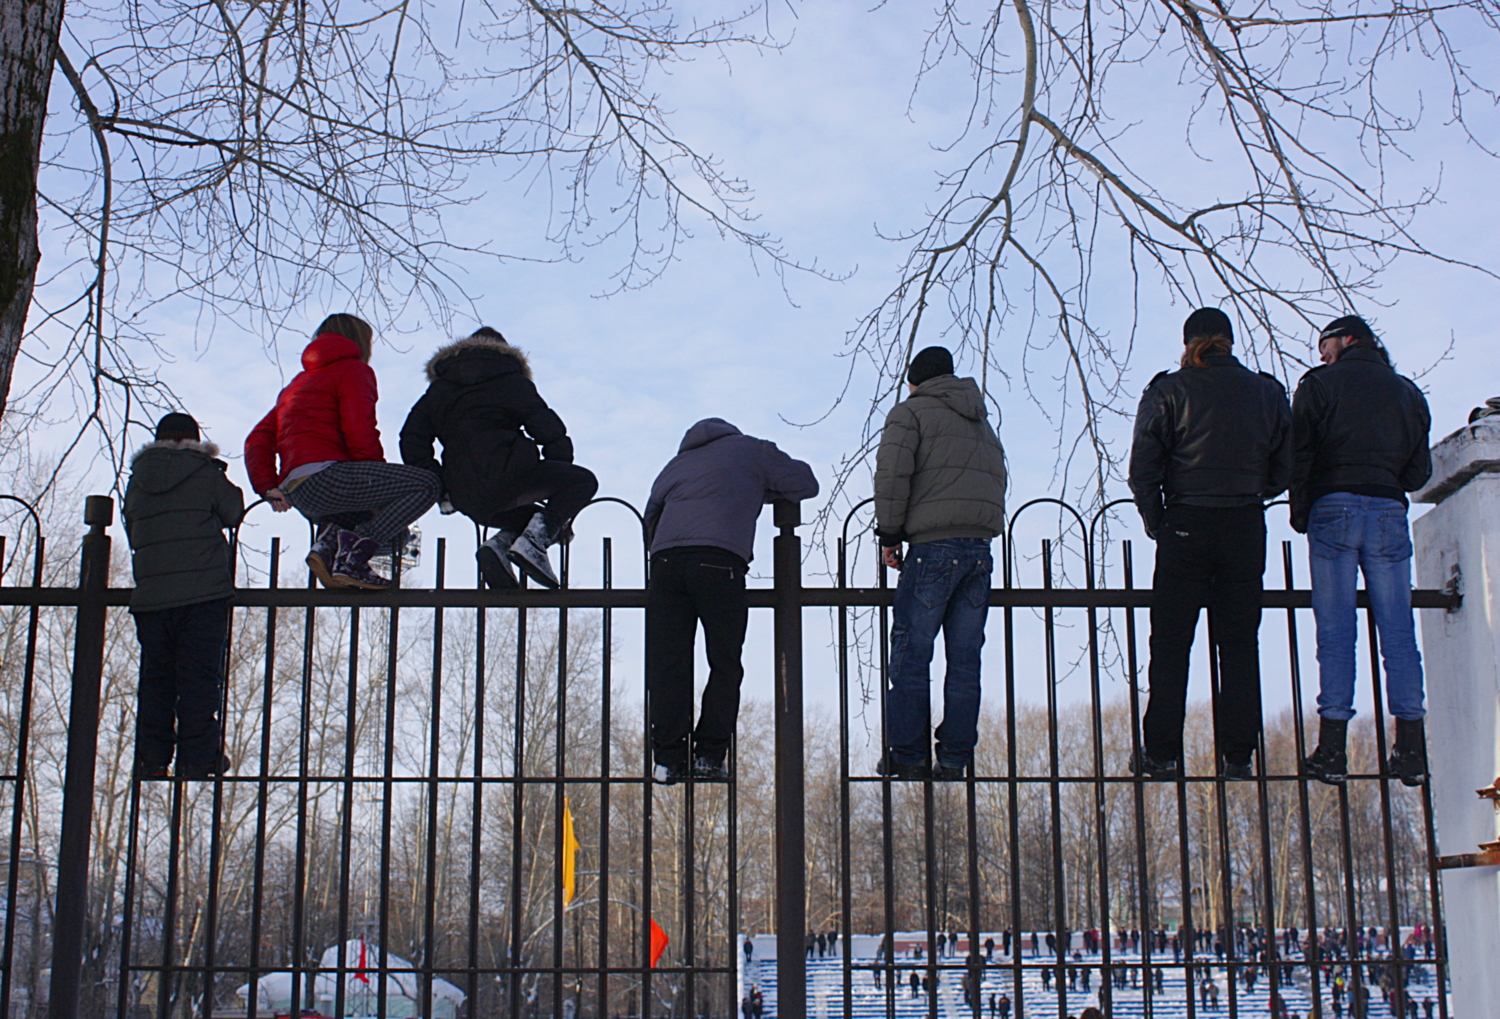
(1356, 424)
(1213, 436)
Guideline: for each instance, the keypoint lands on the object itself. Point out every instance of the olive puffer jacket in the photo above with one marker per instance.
(940, 470)
(177, 504)
(483, 407)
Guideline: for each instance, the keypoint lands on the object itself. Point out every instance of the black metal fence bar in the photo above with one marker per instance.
(250, 877)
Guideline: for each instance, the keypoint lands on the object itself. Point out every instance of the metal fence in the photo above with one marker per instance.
(413, 768)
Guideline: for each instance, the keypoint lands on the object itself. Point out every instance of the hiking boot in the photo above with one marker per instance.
(710, 769)
(353, 566)
(898, 772)
(493, 566)
(1408, 758)
(950, 772)
(323, 555)
(1236, 769)
(529, 552)
(200, 772)
(1144, 765)
(1329, 763)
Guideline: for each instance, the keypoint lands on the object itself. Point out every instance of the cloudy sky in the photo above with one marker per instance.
(839, 150)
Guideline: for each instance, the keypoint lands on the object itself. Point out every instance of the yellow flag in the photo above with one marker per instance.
(570, 853)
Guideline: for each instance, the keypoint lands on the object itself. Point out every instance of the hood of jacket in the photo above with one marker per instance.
(159, 467)
(706, 431)
(474, 360)
(962, 396)
(328, 348)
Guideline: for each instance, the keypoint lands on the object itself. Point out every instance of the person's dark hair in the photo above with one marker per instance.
(351, 327)
(176, 426)
(929, 363)
(1359, 331)
(486, 333)
(1206, 331)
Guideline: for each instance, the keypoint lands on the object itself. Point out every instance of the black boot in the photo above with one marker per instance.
(1408, 759)
(1329, 763)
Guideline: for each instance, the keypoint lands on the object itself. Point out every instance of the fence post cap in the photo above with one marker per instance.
(786, 514)
(98, 511)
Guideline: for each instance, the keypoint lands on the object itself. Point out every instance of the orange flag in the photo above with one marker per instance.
(570, 854)
(658, 942)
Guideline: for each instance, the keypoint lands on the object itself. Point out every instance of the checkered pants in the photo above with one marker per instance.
(395, 494)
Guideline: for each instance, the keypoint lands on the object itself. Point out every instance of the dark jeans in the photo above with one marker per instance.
(564, 489)
(689, 585)
(944, 585)
(177, 702)
(1213, 558)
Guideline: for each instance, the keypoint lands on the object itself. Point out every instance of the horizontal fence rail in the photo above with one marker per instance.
(413, 768)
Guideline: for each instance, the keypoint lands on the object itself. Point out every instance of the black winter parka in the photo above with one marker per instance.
(1356, 424)
(483, 407)
(1220, 435)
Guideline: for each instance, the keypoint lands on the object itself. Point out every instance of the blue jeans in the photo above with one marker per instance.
(1346, 534)
(944, 584)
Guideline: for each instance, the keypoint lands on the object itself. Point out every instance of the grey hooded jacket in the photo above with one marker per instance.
(712, 491)
(177, 504)
(940, 470)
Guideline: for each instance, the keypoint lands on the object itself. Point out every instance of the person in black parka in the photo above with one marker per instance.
(507, 459)
(177, 504)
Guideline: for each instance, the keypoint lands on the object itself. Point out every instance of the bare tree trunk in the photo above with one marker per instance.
(28, 42)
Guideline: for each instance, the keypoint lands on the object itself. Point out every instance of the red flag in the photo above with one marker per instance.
(359, 972)
(658, 942)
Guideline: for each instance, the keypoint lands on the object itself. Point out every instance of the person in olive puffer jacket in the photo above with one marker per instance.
(1361, 434)
(177, 504)
(939, 485)
(1212, 443)
(507, 459)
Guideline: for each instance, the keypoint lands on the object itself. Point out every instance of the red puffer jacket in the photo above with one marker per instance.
(326, 413)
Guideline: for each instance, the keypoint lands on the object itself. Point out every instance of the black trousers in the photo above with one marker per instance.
(689, 586)
(564, 489)
(1207, 558)
(177, 701)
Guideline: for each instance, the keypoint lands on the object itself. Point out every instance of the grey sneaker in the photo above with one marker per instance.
(1237, 771)
(710, 769)
(898, 772)
(1144, 765)
(950, 773)
(668, 774)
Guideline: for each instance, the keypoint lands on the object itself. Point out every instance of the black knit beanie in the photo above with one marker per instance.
(929, 364)
(1207, 322)
(1348, 325)
(176, 425)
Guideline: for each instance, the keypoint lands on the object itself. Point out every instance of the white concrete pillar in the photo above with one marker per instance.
(1459, 540)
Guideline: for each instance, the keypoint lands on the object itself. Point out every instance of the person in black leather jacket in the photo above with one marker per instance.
(1212, 443)
(1360, 434)
(504, 452)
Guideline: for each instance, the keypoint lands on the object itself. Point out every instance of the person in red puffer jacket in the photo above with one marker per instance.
(331, 465)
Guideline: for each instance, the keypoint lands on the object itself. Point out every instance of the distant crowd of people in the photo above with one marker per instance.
(1213, 443)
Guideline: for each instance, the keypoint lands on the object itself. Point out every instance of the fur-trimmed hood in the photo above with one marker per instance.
(490, 360)
(208, 449)
(161, 466)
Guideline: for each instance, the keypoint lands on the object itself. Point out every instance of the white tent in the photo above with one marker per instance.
(403, 991)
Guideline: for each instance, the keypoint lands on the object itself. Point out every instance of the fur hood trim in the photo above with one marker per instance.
(476, 343)
(208, 449)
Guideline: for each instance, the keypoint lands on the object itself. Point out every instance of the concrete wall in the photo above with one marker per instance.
(1459, 540)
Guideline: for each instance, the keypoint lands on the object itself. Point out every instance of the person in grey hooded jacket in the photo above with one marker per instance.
(939, 485)
(177, 504)
(700, 527)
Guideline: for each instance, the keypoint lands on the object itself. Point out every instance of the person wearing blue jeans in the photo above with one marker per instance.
(944, 585)
(1360, 433)
(940, 487)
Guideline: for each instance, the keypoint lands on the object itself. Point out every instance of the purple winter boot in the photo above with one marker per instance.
(323, 555)
(353, 566)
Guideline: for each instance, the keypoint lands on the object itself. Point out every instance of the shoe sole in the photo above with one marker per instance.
(492, 569)
(1327, 779)
(344, 580)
